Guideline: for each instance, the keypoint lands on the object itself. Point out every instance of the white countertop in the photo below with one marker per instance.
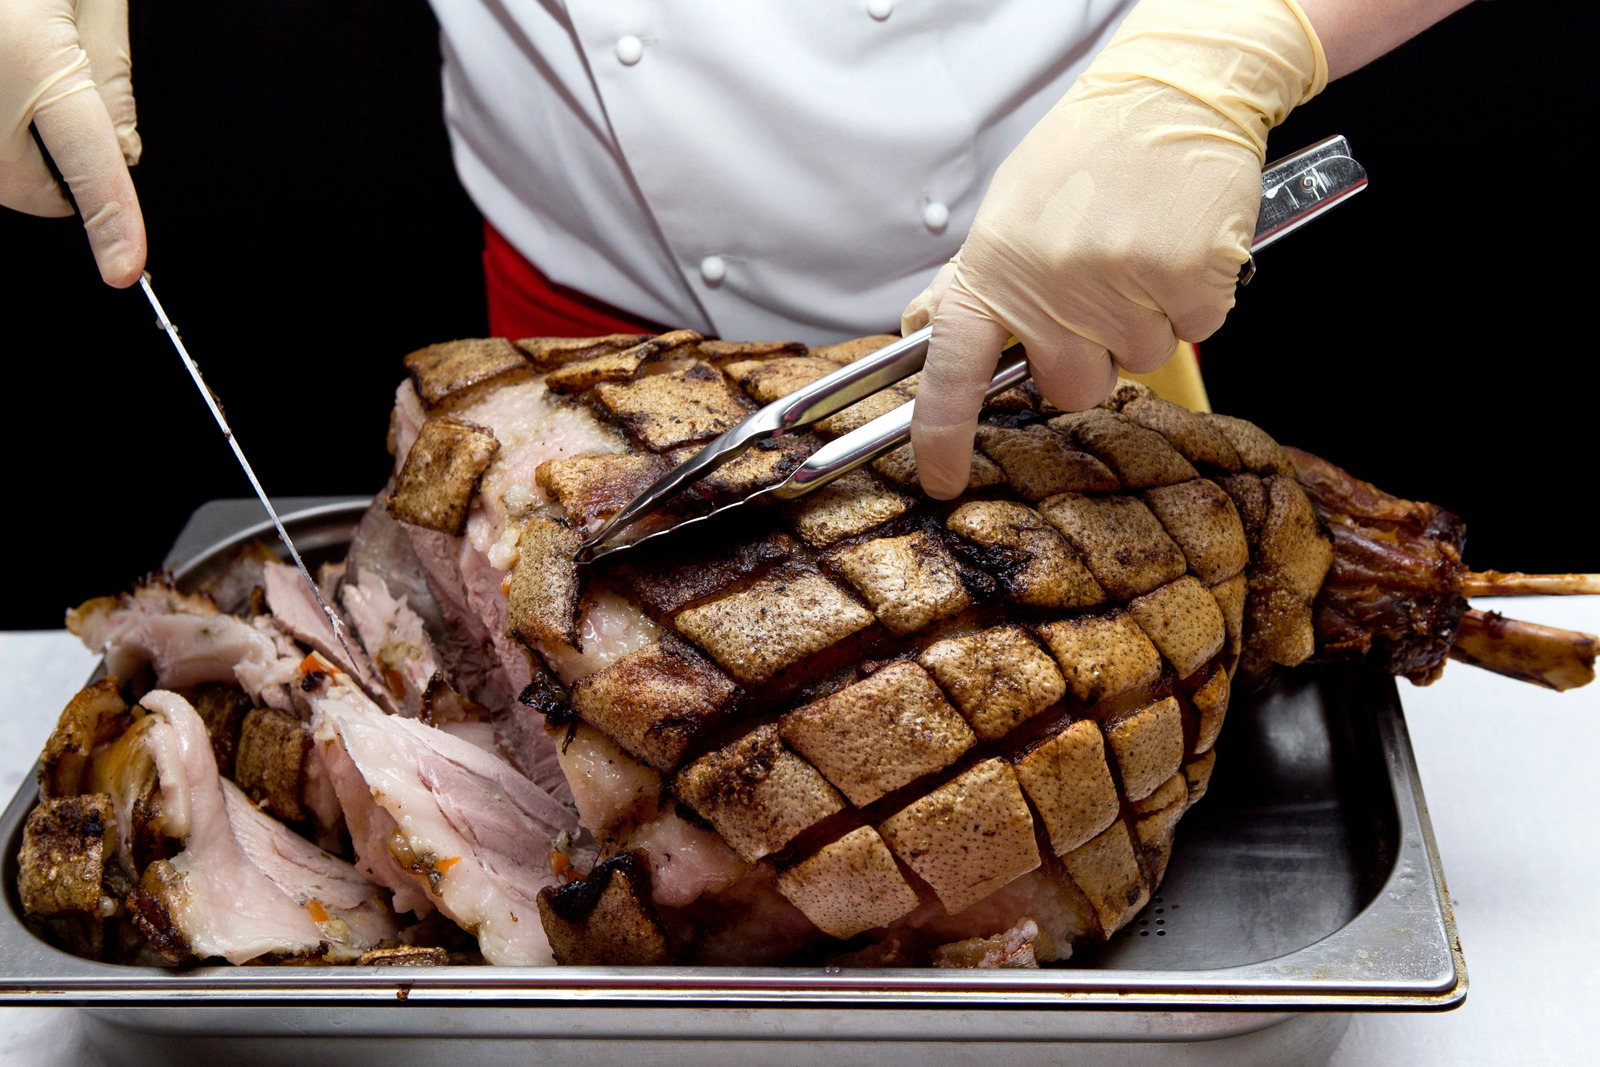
(1509, 772)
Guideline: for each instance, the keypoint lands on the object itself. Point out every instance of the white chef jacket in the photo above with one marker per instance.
(758, 169)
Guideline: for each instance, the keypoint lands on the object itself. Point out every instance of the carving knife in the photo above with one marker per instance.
(249, 472)
(216, 412)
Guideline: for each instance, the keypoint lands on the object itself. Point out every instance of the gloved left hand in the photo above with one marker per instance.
(64, 67)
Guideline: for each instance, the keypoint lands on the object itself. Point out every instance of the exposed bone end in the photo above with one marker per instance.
(1515, 583)
(61, 866)
(607, 918)
(1544, 655)
(95, 715)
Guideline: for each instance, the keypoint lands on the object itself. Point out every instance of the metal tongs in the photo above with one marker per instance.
(1294, 190)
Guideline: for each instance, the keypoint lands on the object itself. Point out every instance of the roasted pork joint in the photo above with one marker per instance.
(863, 729)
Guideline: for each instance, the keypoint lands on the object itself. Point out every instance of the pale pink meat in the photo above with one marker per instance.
(441, 822)
(296, 609)
(359, 916)
(395, 638)
(228, 906)
(182, 643)
(686, 862)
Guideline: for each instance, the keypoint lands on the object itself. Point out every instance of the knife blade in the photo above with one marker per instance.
(210, 398)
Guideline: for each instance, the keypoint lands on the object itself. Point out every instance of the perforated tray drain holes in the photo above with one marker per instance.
(1152, 919)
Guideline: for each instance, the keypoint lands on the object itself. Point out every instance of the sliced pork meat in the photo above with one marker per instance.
(394, 636)
(184, 640)
(295, 608)
(352, 912)
(211, 898)
(441, 822)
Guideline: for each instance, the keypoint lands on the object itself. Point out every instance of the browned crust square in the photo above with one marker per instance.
(1102, 655)
(849, 885)
(1039, 463)
(862, 412)
(773, 623)
(442, 372)
(1035, 564)
(440, 475)
(851, 505)
(1148, 746)
(998, 678)
(967, 838)
(578, 375)
(542, 597)
(1184, 622)
(669, 579)
(1107, 871)
(900, 468)
(757, 794)
(1070, 784)
(766, 463)
(271, 763)
(879, 734)
(548, 353)
(678, 407)
(95, 714)
(849, 351)
(594, 488)
(911, 581)
(1210, 699)
(1196, 439)
(724, 352)
(655, 701)
(1126, 548)
(1256, 448)
(607, 919)
(766, 380)
(65, 843)
(1203, 521)
(1197, 772)
(1141, 458)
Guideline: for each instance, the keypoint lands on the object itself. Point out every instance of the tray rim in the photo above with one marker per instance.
(1325, 975)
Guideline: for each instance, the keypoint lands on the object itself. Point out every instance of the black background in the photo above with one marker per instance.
(306, 231)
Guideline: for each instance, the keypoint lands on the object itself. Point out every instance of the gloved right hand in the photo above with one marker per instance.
(64, 67)
(1118, 226)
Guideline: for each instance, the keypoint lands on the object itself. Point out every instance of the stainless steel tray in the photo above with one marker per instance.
(1306, 884)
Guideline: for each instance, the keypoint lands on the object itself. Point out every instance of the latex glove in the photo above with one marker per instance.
(1119, 224)
(64, 67)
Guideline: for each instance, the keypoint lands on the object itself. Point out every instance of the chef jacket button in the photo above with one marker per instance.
(629, 50)
(880, 9)
(713, 269)
(935, 216)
